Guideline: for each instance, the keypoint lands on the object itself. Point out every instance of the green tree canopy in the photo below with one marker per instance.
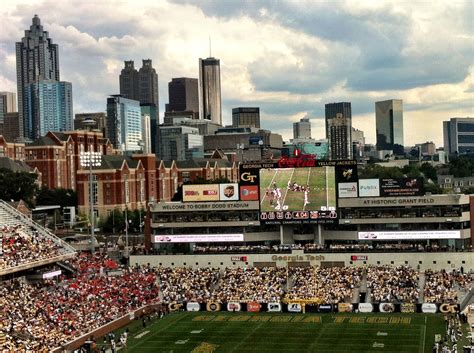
(62, 197)
(18, 186)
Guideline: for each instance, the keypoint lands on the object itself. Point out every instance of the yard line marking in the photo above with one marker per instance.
(378, 345)
(197, 331)
(271, 182)
(181, 341)
(307, 184)
(382, 333)
(424, 335)
(286, 193)
(141, 334)
(327, 188)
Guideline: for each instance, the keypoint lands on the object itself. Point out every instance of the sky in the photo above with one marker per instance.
(289, 58)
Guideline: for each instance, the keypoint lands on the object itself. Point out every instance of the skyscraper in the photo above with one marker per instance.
(49, 108)
(148, 84)
(302, 129)
(183, 96)
(339, 129)
(124, 123)
(128, 80)
(389, 125)
(210, 90)
(180, 143)
(142, 86)
(36, 58)
(246, 117)
(7, 104)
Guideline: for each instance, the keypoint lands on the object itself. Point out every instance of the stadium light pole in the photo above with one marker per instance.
(91, 159)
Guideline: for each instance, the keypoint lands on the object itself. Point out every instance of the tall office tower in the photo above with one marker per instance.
(36, 60)
(339, 130)
(129, 81)
(148, 84)
(124, 123)
(389, 125)
(49, 108)
(302, 129)
(210, 90)
(246, 117)
(458, 134)
(152, 111)
(183, 95)
(180, 143)
(7, 104)
(358, 143)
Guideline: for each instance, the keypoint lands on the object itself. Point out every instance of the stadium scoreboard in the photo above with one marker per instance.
(296, 190)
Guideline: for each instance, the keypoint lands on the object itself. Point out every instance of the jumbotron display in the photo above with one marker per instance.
(294, 191)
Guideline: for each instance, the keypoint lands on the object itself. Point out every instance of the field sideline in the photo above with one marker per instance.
(285, 332)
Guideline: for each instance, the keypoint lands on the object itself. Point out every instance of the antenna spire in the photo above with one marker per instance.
(210, 47)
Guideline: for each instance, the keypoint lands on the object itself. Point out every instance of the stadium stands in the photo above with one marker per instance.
(25, 244)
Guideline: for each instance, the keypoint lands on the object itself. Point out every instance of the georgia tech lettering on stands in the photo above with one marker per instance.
(298, 258)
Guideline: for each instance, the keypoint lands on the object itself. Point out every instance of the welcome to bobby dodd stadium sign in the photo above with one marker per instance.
(204, 206)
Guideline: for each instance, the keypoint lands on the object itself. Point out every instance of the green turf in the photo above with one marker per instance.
(321, 181)
(284, 332)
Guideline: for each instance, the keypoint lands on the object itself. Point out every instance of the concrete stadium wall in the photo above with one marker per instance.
(418, 260)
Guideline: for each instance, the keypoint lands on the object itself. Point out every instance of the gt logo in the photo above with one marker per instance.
(448, 308)
(248, 177)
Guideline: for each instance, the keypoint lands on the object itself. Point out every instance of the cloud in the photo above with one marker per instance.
(289, 58)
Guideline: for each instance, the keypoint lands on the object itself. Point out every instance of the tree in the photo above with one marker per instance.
(18, 186)
(429, 171)
(377, 171)
(114, 223)
(62, 197)
(461, 167)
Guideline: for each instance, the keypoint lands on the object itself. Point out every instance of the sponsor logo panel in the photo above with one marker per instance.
(446, 308)
(345, 307)
(436, 234)
(274, 307)
(429, 308)
(233, 306)
(407, 308)
(200, 192)
(213, 306)
(347, 190)
(325, 308)
(229, 192)
(366, 308)
(249, 193)
(401, 187)
(192, 306)
(369, 188)
(386, 307)
(253, 307)
(294, 307)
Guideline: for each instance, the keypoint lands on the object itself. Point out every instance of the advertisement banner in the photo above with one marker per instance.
(401, 187)
(369, 188)
(429, 308)
(192, 306)
(386, 307)
(249, 192)
(253, 307)
(249, 174)
(344, 307)
(407, 308)
(200, 192)
(233, 306)
(400, 235)
(274, 307)
(325, 308)
(359, 257)
(347, 190)
(197, 238)
(212, 306)
(294, 307)
(228, 192)
(366, 308)
(448, 308)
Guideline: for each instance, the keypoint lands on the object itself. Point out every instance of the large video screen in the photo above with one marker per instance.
(294, 191)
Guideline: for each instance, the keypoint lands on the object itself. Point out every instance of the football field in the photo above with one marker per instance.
(321, 182)
(286, 332)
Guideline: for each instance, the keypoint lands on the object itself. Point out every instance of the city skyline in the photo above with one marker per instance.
(289, 59)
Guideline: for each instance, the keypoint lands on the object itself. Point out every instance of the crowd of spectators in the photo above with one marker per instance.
(186, 284)
(21, 245)
(263, 285)
(323, 285)
(444, 286)
(38, 317)
(393, 284)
